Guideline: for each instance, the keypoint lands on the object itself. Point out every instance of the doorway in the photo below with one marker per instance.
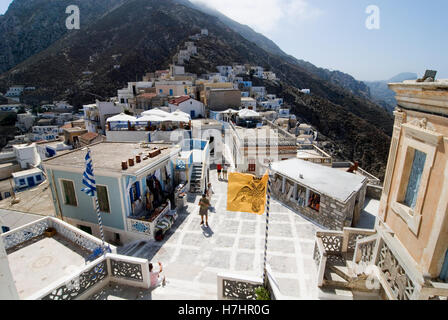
(31, 182)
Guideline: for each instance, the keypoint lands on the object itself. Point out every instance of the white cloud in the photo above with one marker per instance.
(264, 15)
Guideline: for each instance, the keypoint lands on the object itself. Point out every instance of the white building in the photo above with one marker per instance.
(184, 55)
(95, 115)
(14, 91)
(176, 70)
(39, 133)
(204, 32)
(26, 155)
(258, 92)
(63, 106)
(25, 121)
(305, 91)
(187, 105)
(258, 71)
(50, 149)
(249, 103)
(27, 178)
(239, 69)
(10, 107)
(191, 47)
(269, 75)
(225, 70)
(272, 102)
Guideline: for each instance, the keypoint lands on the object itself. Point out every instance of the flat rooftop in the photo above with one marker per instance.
(37, 200)
(328, 181)
(205, 122)
(24, 173)
(264, 132)
(41, 261)
(108, 156)
(311, 153)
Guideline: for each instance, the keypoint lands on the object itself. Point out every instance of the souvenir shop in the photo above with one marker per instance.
(153, 196)
(295, 193)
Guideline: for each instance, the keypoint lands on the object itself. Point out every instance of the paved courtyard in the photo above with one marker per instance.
(193, 255)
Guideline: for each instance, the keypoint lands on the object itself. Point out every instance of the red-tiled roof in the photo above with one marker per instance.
(66, 126)
(179, 100)
(89, 136)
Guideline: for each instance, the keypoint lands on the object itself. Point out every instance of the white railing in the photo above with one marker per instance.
(241, 287)
(93, 277)
(365, 250)
(139, 226)
(34, 229)
(320, 258)
(351, 235)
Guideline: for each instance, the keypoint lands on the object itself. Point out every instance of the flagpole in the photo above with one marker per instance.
(268, 203)
(90, 183)
(100, 221)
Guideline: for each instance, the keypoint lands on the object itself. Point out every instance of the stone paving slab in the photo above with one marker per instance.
(234, 243)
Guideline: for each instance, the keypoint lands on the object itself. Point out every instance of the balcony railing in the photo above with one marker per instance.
(391, 264)
(29, 231)
(336, 243)
(122, 270)
(238, 287)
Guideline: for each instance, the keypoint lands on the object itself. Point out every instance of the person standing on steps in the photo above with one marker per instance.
(204, 204)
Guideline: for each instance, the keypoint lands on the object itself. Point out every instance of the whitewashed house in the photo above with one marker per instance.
(187, 105)
(249, 103)
(39, 133)
(14, 91)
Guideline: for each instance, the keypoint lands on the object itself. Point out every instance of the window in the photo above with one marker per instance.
(251, 165)
(22, 182)
(314, 201)
(103, 198)
(85, 229)
(7, 194)
(415, 176)
(69, 193)
(38, 178)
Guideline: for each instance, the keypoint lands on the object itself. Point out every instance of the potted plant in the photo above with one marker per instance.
(50, 232)
(262, 293)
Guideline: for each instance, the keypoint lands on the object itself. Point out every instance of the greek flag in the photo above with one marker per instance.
(89, 181)
(88, 177)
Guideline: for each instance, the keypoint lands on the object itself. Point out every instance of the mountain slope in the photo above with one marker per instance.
(338, 78)
(143, 35)
(381, 93)
(28, 27)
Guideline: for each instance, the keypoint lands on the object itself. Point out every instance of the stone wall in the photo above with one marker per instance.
(374, 192)
(332, 214)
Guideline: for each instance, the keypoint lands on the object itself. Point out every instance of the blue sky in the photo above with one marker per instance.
(332, 33)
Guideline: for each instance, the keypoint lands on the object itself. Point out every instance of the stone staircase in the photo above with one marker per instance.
(341, 281)
(196, 176)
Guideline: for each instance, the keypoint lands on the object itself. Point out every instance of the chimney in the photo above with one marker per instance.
(138, 159)
(124, 165)
(131, 162)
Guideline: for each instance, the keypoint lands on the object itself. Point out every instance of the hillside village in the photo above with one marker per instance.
(160, 143)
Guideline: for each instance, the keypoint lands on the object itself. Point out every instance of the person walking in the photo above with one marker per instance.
(204, 204)
(224, 171)
(219, 168)
(210, 191)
